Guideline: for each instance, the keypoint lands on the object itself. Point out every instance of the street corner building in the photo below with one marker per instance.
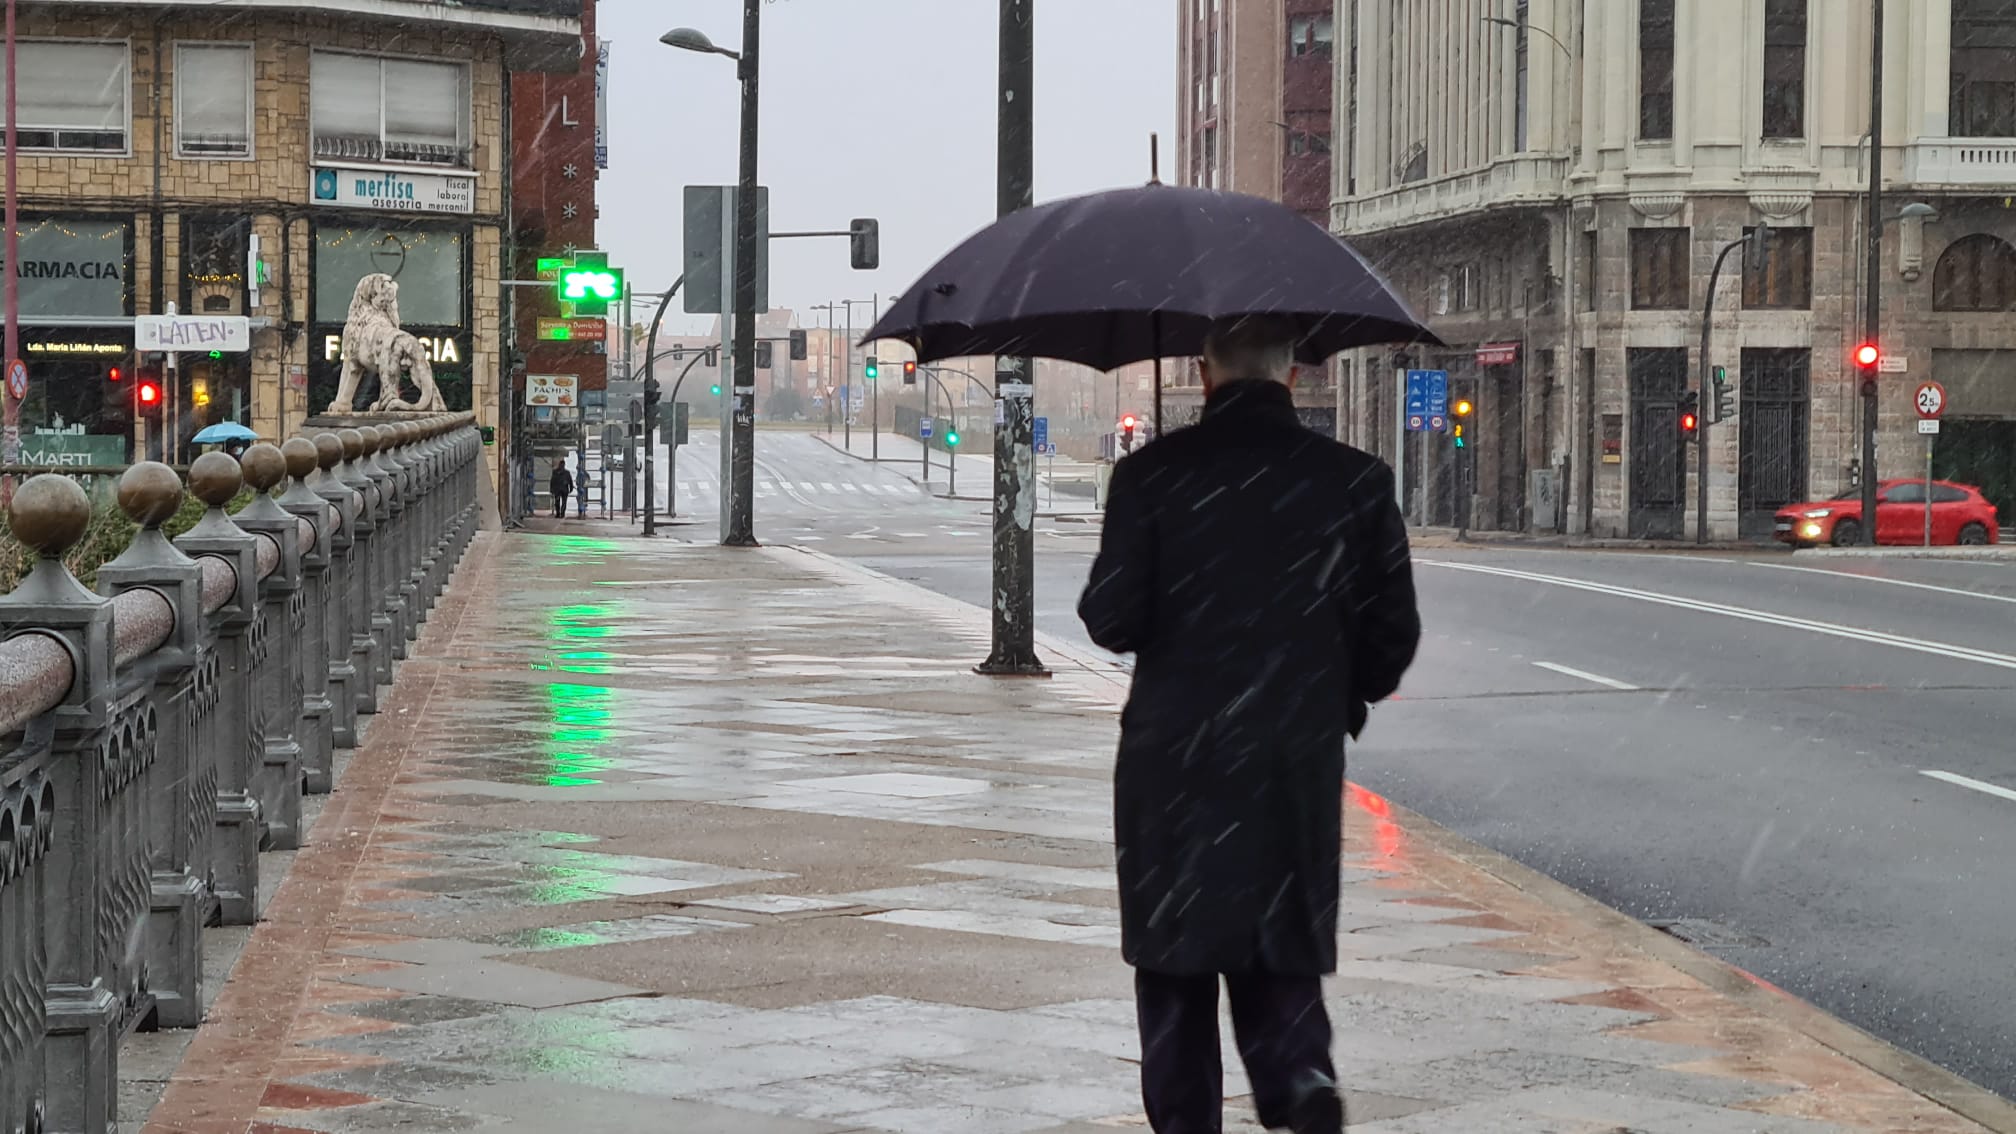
(247, 163)
(1550, 182)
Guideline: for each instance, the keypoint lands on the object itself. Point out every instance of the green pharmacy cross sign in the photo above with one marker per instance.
(587, 284)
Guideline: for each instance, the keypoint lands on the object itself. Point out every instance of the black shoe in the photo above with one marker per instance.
(1318, 1109)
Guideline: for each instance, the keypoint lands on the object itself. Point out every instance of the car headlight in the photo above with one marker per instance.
(1819, 514)
(1812, 531)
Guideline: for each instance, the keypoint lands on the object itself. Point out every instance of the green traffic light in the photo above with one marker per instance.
(716, 390)
(951, 437)
(872, 371)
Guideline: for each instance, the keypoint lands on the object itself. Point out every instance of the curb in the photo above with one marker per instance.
(1989, 553)
(1915, 1074)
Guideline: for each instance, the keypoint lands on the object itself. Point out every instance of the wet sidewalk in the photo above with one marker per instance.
(676, 838)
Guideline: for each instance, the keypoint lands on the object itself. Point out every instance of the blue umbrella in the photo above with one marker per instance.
(224, 431)
(1134, 274)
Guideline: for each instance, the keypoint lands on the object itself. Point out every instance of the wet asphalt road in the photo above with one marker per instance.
(1739, 743)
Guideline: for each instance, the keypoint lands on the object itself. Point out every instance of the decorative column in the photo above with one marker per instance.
(339, 611)
(277, 780)
(317, 733)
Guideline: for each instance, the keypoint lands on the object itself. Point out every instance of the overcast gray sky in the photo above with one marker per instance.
(871, 108)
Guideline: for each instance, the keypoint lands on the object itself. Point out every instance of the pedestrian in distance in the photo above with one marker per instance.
(561, 486)
(1259, 573)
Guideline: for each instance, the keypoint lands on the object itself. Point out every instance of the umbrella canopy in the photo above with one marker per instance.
(1132, 274)
(223, 431)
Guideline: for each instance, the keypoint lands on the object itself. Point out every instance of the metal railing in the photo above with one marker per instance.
(157, 735)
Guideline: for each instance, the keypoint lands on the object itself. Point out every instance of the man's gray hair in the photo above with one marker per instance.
(1252, 347)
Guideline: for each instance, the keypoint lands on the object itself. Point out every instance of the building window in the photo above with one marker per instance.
(1466, 287)
(363, 108)
(1311, 36)
(1659, 268)
(213, 264)
(213, 100)
(1655, 70)
(1977, 273)
(72, 95)
(1786, 280)
(1983, 70)
(1785, 68)
(1303, 143)
(1589, 291)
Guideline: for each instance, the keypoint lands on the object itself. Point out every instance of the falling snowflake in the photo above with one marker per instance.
(570, 171)
(568, 210)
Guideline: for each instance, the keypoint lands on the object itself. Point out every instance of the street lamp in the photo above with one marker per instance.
(739, 530)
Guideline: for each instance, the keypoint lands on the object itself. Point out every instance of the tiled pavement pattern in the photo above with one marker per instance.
(673, 838)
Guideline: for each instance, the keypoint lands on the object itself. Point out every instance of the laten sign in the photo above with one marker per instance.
(192, 333)
(394, 192)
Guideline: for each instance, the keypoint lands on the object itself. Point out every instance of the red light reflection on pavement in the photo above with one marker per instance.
(1386, 834)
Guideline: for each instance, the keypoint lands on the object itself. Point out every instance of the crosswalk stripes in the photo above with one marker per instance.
(769, 489)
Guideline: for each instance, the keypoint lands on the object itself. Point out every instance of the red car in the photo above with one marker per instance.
(1960, 515)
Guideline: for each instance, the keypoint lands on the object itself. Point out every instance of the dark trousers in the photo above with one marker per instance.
(1284, 1039)
(560, 504)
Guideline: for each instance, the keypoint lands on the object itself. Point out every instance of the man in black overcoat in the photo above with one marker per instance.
(1259, 574)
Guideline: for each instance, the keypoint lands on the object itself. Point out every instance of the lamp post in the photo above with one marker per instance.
(740, 530)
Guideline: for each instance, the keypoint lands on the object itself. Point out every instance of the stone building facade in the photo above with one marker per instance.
(253, 161)
(1551, 183)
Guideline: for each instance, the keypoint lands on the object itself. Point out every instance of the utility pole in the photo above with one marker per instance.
(1873, 289)
(1014, 605)
(742, 521)
(10, 440)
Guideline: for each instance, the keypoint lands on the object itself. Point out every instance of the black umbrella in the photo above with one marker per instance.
(1133, 274)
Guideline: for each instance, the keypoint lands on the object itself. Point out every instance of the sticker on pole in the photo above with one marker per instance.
(1930, 400)
(17, 379)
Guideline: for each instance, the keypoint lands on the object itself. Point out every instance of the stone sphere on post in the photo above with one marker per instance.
(50, 513)
(353, 443)
(150, 493)
(374, 438)
(301, 456)
(328, 450)
(264, 466)
(215, 479)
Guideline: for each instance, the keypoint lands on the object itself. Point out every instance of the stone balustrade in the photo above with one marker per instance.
(156, 736)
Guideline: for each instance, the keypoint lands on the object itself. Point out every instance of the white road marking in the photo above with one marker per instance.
(1831, 629)
(1892, 582)
(825, 486)
(1977, 785)
(1585, 675)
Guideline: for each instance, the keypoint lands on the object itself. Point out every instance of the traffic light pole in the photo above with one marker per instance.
(1014, 605)
(651, 353)
(741, 526)
(1872, 292)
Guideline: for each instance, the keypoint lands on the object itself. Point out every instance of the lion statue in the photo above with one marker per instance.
(374, 344)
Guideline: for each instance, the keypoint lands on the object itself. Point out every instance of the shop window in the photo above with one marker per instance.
(1786, 279)
(72, 95)
(427, 263)
(1659, 268)
(213, 100)
(213, 264)
(1977, 273)
(364, 108)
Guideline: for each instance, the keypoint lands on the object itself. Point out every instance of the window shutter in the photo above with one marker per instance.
(72, 86)
(213, 88)
(423, 110)
(343, 95)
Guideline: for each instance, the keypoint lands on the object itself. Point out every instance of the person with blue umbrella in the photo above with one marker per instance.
(233, 437)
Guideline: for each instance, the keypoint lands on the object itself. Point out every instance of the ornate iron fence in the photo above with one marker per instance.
(157, 735)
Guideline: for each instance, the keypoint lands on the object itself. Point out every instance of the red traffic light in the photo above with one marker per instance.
(1127, 422)
(1868, 354)
(150, 394)
(114, 374)
(1689, 422)
(909, 369)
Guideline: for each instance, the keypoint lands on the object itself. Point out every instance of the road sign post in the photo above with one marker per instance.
(1930, 402)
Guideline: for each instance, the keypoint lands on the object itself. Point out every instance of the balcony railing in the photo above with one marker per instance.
(157, 736)
(1961, 161)
(1508, 181)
